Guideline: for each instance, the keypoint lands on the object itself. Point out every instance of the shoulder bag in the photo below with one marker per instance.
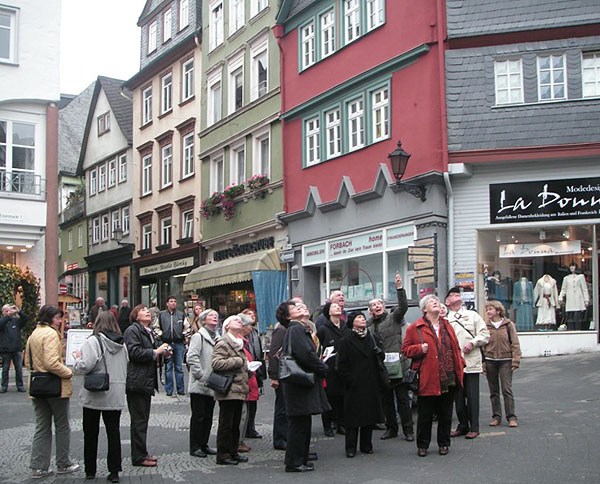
(412, 376)
(291, 372)
(97, 382)
(219, 382)
(43, 384)
(382, 370)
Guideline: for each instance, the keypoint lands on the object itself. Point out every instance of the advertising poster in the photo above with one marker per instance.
(466, 281)
(75, 339)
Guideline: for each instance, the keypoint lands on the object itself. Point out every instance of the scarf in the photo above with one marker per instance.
(360, 332)
(445, 356)
(239, 342)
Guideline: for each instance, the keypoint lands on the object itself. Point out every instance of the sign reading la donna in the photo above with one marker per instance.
(577, 198)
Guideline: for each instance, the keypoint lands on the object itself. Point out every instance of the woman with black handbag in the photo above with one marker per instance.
(103, 360)
(47, 370)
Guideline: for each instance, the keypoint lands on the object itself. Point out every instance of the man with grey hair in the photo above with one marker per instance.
(11, 344)
(389, 329)
(335, 297)
(124, 312)
(95, 310)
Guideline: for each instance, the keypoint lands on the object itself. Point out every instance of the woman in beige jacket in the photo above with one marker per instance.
(44, 353)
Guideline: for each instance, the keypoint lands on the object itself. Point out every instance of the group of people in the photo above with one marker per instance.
(362, 373)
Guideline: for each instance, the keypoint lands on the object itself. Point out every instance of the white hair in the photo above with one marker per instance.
(375, 300)
(423, 302)
(333, 293)
(230, 320)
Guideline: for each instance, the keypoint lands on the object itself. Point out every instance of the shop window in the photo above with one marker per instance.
(360, 278)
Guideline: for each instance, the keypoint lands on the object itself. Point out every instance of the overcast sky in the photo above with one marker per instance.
(98, 37)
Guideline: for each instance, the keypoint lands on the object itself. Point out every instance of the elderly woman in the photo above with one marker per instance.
(301, 401)
(142, 380)
(202, 399)
(433, 347)
(229, 358)
(103, 352)
(502, 358)
(359, 369)
(44, 354)
(255, 347)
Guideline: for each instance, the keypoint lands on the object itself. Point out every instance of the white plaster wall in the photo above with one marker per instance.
(559, 343)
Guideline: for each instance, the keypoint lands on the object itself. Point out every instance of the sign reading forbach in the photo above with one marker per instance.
(577, 198)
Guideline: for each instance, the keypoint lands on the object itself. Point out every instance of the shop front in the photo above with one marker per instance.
(109, 276)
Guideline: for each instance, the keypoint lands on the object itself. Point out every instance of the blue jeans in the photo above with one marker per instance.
(17, 359)
(177, 359)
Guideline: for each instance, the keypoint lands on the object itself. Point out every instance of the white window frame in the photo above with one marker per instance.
(327, 26)
(333, 133)
(257, 162)
(93, 182)
(167, 24)
(125, 220)
(122, 167)
(147, 105)
(115, 221)
(217, 173)
(356, 124)
(552, 84)
(103, 123)
(13, 35)
(514, 93)
(184, 14)
(187, 153)
(112, 173)
(257, 6)
(104, 227)
(312, 137)
(237, 17)
(235, 177)
(352, 24)
(215, 24)
(166, 98)
(380, 110)
(375, 14)
(187, 224)
(259, 53)
(307, 39)
(147, 236)
(235, 68)
(152, 36)
(146, 174)
(70, 240)
(166, 235)
(102, 177)
(166, 165)
(187, 80)
(12, 143)
(96, 230)
(595, 74)
(213, 80)
(80, 236)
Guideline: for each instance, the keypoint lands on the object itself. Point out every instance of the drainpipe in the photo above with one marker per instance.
(278, 32)
(450, 231)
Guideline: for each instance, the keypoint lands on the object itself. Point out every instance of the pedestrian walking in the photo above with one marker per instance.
(12, 322)
(95, 310)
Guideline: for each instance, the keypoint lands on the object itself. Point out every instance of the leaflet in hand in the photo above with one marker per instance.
(254, 365)
(392, 357)
(328, 353)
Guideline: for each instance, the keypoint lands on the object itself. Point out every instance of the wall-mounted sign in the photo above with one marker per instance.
(576, 198)
(172, 265)
(287, 256)
(242, 249)
(540, 250)
(400, 237)
(355, 245)
(313, 254)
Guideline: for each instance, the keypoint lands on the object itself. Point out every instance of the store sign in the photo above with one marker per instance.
(540, 250)
(167, 266)
(313, 254)
(400, 237)
(570, 199)
(242, 249)
(355, 246)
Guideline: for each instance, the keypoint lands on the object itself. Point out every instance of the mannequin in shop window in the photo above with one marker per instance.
(499, 288)
(574, 294)
(546, 300)
(523, 302)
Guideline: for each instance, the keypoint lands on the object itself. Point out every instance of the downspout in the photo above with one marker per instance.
(441, 37)
(278, 32)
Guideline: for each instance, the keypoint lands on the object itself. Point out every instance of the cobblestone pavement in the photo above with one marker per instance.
(557, 401)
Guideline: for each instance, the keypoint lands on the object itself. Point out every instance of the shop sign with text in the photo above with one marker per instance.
(566, 247)
(355, 246)
(172, 265)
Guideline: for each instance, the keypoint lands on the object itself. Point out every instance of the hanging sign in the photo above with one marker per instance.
(565, 247)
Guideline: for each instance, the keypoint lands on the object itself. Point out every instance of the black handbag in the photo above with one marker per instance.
(291, 372)
(219, 382)
(411, 376)
(382, 371)
(97, 382)
(43, 384)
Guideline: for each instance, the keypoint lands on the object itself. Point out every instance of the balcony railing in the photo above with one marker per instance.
(73, 210)
(20, 182)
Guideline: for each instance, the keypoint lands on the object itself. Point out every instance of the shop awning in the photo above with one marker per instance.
(233, 270)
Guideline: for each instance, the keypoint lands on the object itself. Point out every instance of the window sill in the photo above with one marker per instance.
(259, 15)
(165, 114)
(185, 241)
(163, 247)
(144, 126)
(144, 195)
(235, 34)
(143, 252)
(545, 103)
(186, 178)
(187, 101)
(9, 63)
(166, 187)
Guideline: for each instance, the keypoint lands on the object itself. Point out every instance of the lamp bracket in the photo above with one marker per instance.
(416, 190)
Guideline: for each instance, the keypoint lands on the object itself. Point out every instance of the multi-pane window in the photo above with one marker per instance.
(313, 141)
(236, 15)
(327, 33)
(112, 172)
(261, 155)
(590, 66)
(217, 174)
(167, 93)
(96, 230)
(214, 100)
(215, 28)
(93, 182)
(80, 236)
(551, 77)
(187, 224)
(103, 123)
(115, 220)
(351, 20)
(101, 177)
(184, 14)
(308, 45)
(146, 174)
(166, 172)
(70, 239)
(146, 236)
(147, 105)
(259, 70)
(165, 231)
(105, 227)
(375, 13)
(356, 124)
(238, 165)
(17, 156)
(257, 6)
(188, 155)
(509, 81)
(122, 168)
(125, 220)
(167, 25)
(381, 114)
(187, 83)
(8, 35)
(333, 133)
(152, 36)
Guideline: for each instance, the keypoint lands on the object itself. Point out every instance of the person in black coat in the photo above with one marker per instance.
(330, 335)
(301, 401)
(142, 380)
(124, 313)
(359, 368)
(11, 344)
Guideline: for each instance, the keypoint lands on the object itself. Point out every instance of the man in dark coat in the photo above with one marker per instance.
(169, 329)
(95, 310)
(11, 344)
(280, 421)
(124, 312)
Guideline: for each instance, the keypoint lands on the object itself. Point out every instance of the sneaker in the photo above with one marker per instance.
(40, 473)
(68, 470)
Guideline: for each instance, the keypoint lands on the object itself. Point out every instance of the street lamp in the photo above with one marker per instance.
(399, 160)
(118, 237)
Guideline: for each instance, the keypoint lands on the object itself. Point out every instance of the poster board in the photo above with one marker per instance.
(75, 339)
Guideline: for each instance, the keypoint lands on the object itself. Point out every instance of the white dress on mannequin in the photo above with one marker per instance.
(546, 300)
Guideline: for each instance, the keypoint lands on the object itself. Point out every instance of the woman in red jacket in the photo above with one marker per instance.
(434, 349)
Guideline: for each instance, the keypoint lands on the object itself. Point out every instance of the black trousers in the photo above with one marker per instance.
(139, 411)
(201, 420)
(228, 432)
(280, 420)
(298, 440)
(335, 417)
(251, 426)
(366, 441)
(442, 407)
(398, 390)
(467, 403)
(91, 428)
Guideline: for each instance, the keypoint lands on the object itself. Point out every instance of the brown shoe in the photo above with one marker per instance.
(244, 448)
(494, 422)
(149, 457)
(472, 435)
(513, 423)
(146, 463)
(444, 450)
(421, 452)
(458, 433)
